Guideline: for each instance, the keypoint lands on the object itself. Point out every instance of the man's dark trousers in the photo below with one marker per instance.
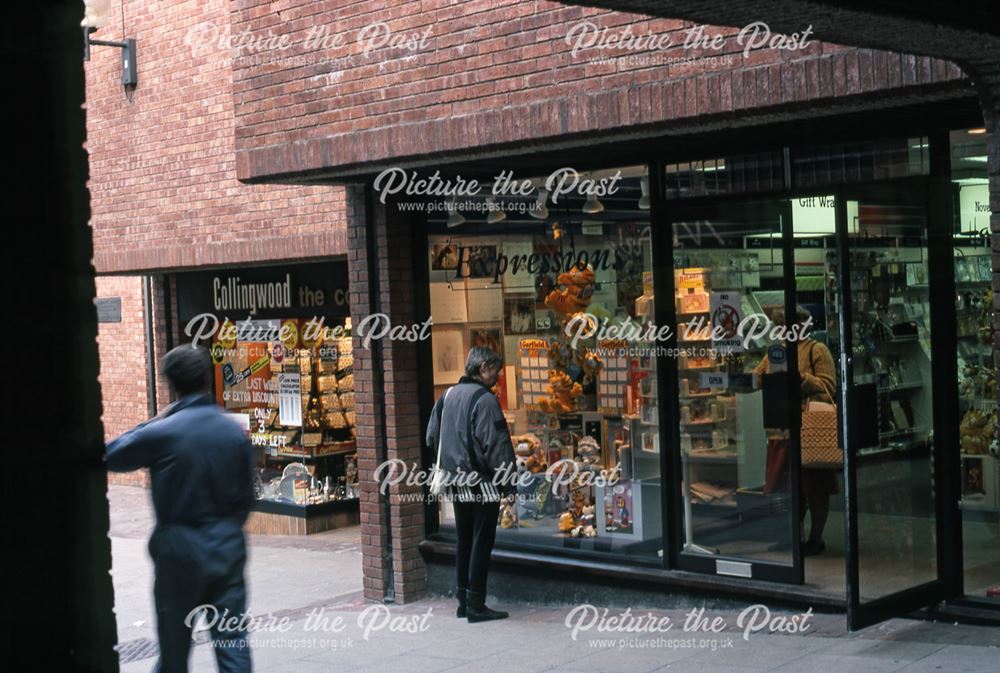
(476, 525)
(180, 587)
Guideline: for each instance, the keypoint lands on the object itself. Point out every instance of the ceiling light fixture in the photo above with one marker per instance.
(454, 217)
(644, 199)
(540, 211)
(592, 205)
(497, 214)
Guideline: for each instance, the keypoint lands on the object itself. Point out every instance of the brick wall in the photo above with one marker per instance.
(122, 353)
(494, 74)
(163, 183)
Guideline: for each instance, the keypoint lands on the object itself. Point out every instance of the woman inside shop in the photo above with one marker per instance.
(818, 384)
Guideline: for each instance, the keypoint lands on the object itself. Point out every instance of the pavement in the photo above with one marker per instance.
(305, 593)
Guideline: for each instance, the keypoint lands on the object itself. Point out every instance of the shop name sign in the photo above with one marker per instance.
(232, 294)
(598, 259)
(561, 182)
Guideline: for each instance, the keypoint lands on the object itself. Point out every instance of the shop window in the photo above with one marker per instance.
(280, 339)
(582, 409)
(738, 174)
(977, 394)
(842, 163)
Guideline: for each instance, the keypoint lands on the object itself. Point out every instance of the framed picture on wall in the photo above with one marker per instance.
(448, 303)
(448, 356)
(519, 315)
(444, 257)
(484, 300)
(487, 337)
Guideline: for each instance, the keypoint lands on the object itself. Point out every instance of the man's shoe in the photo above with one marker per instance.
(476, 610)
(460, 594)
(813, 547)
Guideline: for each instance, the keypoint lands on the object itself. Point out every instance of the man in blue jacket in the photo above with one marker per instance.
(202, 468)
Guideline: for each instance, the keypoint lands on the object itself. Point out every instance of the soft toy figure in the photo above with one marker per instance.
(577, 290)
(506, 514)
(977, 431)
(562, 394)
(579, 502)
(526, 448)
(566, 522)
(591, 364)
(587, 451)
(588, 517)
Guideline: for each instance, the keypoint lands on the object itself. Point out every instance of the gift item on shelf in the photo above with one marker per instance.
(562, 393)
(977, 431)
(587, 454)
(528, 452)
(707, 492)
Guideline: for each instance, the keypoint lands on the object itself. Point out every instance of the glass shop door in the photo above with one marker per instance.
(894, 264)
(731, 408)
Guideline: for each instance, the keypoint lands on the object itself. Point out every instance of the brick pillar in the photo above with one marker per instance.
(388, 421)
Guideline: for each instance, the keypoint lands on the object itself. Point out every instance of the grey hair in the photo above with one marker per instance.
(187, 368)
(478, 357)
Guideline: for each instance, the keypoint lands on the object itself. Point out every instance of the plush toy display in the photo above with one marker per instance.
(562, 393)
(976, 433)
(577, 290)
(526, 451)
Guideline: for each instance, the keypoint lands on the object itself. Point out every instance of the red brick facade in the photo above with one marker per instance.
(122, 351)
(495, 75)
(163, 185)
(164, 193)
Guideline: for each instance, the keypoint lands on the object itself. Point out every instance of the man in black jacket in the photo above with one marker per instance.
(202, 468)
(478, 457)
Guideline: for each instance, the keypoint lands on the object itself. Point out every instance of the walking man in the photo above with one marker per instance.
(474, 440)
(202, 468)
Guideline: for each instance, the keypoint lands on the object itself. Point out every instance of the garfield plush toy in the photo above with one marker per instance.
(526, 448)
(577, 290)
(562, 393)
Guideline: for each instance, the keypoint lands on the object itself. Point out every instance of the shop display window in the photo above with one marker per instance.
(581, 409)
(293, 387)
